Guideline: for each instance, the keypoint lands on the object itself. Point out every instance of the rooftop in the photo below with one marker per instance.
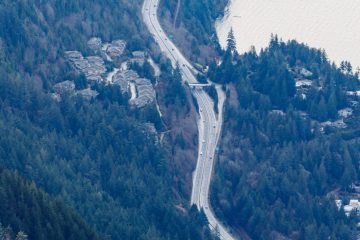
(87, 94)
(95, 43)
(65, 86)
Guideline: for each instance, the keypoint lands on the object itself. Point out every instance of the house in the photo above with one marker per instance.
(116, 48)
(73, 55)
(64, 87)
(145, 93)
(138, 54)
(138, 57)
(122, 78)
(303, 83)
(306, 73)
(95, 44)
(354, 205)
(345, 113)
(87, 94)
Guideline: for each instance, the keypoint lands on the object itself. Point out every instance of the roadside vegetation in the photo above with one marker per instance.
(211, 90)
(192, 27)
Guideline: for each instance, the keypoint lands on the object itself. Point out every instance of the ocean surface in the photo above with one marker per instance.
(333, 25)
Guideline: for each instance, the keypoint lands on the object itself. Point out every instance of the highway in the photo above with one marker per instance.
(209, 125)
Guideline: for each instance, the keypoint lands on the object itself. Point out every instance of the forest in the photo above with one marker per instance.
(283, 161)
(92, 161)
(34, 214)
(78, 169)
(190, 24)
(197, 16)
(98, 158)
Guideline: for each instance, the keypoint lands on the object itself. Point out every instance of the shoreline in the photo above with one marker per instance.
(317, 25)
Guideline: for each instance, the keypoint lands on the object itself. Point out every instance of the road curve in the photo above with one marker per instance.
(209, 126)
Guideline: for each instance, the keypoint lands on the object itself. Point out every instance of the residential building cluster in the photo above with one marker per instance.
(140, 89)
(93, 67)
(68, 88)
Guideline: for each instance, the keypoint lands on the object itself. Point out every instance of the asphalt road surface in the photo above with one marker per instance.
(209, 124)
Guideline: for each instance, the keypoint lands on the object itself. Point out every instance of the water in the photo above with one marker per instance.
(333, 25)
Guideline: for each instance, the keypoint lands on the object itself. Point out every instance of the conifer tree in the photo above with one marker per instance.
(231, 42)
(21, 236)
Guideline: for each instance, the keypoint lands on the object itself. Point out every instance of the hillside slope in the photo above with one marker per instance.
(290, 145)
(26, 208)
(97, 156)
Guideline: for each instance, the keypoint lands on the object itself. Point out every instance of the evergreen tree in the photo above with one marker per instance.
(21, 236)
(231, 42)
(2, 232)
(277, 168)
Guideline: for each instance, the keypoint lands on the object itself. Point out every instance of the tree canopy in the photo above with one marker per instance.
(283, 161)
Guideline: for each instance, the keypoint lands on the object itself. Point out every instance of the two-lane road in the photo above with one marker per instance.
(209, 126)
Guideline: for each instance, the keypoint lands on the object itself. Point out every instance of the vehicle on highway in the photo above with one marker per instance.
(205, 160)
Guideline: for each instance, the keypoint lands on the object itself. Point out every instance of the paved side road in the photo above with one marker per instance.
(209, 126)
